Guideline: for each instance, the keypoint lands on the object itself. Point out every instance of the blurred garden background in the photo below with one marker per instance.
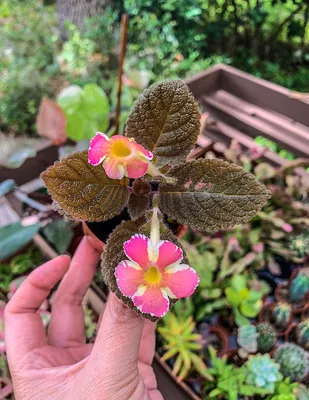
(47, 45)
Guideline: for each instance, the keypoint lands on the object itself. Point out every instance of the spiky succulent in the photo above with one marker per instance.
(266, 337)
(182, 342)
(293, 361)
(299, 244)
(302, 334)
(282, 314)
(299, 286)
(263, 372)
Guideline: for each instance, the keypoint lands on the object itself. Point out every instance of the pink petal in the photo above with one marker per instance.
(181, 280)
(137, 249)
(152, 301)
(136, 168)
(113, 169)
(98, 148)
(168, 253)
(129, 278)
(145, 152)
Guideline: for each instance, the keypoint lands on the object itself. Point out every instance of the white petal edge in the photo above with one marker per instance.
(171, 269)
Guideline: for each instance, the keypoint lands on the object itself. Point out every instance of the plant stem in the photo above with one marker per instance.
(122, 55)
(155, 227)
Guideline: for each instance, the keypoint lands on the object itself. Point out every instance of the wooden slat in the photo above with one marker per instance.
(264, 94)
(253, 127)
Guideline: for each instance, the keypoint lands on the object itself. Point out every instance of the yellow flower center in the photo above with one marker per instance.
(152, 276)
(120, 149)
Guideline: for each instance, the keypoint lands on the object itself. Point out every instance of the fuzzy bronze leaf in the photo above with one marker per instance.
(211, 195)
(84, 191)
(165, 120)
(139, 199)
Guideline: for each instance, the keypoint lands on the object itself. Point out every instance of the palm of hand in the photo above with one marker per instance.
(62, 366)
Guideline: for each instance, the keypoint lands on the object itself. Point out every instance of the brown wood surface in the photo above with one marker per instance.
(243, 107)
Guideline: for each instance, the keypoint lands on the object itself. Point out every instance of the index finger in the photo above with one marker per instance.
(24, 330)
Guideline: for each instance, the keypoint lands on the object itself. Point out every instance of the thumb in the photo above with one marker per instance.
(118, 341)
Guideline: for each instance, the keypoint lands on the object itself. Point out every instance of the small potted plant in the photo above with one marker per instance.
(142, 182)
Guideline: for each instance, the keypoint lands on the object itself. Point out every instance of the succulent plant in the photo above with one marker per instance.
(266, 337)
(299, 286)
(299, 244)
(302, 334)
(293, 361)
(263, 372)
(282, 314)
(285, 390)
(246, 338)
(182, 342)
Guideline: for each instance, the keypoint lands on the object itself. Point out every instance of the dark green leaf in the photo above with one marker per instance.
(14, 237)
(83, 191)
(166, 121)
(211, 194)
(59, 233)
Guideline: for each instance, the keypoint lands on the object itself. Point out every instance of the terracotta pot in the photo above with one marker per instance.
(266, 316)
(290, 332)
(281, 292)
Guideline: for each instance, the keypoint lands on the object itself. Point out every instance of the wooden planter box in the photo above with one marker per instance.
(242, 107)
(47, 154)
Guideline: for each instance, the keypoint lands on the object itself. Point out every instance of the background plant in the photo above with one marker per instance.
(182, 342)
(293, 361)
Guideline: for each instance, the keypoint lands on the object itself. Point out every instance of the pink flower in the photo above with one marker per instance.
(153, 274)
(121, 156)
(287, 227)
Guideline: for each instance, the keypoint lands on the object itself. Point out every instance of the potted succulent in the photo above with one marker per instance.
(142, 182)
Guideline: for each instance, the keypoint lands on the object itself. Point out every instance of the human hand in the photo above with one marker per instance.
(62, 366)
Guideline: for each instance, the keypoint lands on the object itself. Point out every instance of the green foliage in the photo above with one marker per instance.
(184, 308)
(284, 390)
(302, 334)
(208, 297)
(87, 111)
(59, 233)
(14, 237)
(282, 314)
(84, 191)
(300, 244)
(273, 146)
(230, 381)
(181, 342)
(245, 301)
(166, 121)
(247, 338)
(27, 62)
(293, 361)
(203, 188)
(19, 265)
(263, 372)
(299, 286)
(90, 322)
(266, 337)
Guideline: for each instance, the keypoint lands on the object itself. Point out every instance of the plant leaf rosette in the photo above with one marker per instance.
(146, 172)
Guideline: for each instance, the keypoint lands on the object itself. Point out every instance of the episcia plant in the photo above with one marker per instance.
(143, 181)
